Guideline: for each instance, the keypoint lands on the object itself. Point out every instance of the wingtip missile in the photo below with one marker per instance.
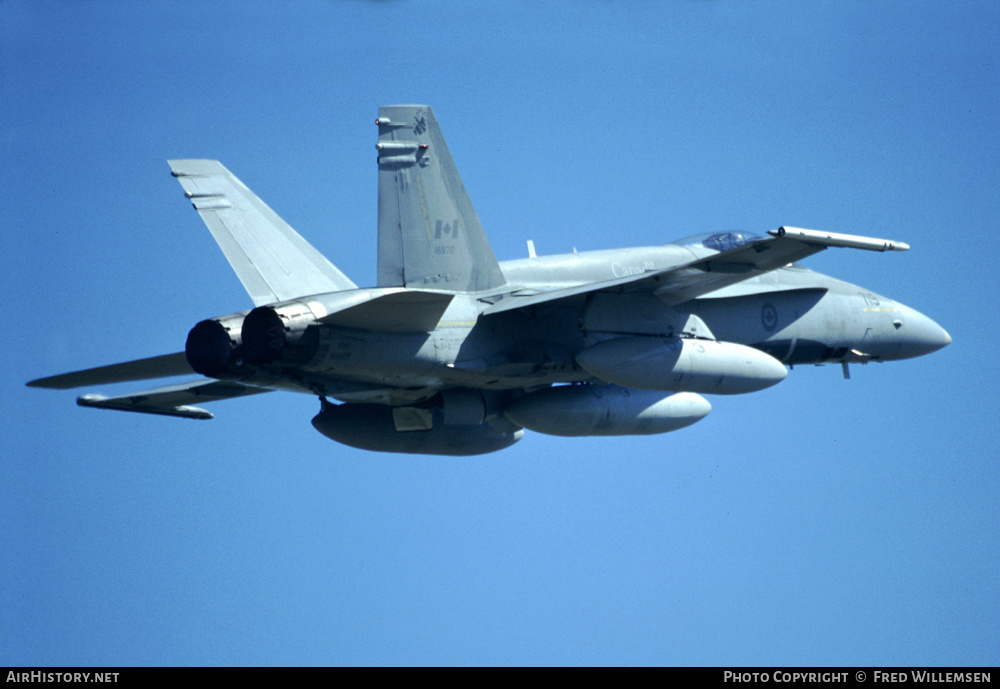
(126, 404)
(849, 241)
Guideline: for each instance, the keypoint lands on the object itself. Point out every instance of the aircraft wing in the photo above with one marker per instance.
(715, 271)
(785, 245)
(173, 400)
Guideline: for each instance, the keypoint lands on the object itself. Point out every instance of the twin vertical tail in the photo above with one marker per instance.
(272, 260)
(429, 235)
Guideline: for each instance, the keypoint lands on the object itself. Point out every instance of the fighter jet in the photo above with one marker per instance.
(455, 353)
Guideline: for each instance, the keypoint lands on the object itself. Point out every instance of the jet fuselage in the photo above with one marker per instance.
(795, 315)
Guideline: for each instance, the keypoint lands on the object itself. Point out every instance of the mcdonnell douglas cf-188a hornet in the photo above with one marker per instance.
(455, 353)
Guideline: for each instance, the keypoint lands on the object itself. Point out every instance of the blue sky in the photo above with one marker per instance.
(821, 521)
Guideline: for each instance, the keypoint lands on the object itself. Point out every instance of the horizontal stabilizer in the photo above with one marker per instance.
(272, 260)
(172, 400)
(144, 369)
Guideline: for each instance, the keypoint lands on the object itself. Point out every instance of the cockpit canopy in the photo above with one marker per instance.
(720, 241)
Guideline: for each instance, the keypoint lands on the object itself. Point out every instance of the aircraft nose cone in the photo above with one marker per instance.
(919, 334)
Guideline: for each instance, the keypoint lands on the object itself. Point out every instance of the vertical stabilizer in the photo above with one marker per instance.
(428, 233)
(272, 260)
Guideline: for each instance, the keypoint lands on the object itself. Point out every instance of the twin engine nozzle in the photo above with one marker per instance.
(224, 347)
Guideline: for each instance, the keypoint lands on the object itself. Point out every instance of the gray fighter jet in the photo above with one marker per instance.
(455, 353)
